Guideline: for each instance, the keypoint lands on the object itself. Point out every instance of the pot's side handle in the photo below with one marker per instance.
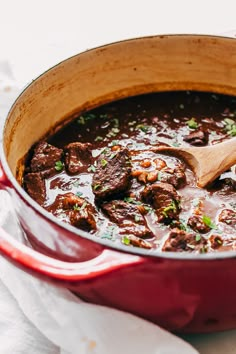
(44, 266)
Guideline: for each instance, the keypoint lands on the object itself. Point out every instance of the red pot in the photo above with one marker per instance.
(182, 292)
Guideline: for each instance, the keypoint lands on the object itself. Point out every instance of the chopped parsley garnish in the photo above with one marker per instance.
(131, 200)
(143, 127)
(148, 208)
(104, 189)
(125, 240)
(192, 124)
(190, 246)
(230, 126)
(104, 162)
(77, 207)
(79, 194)
(137, 218)
(171, 207)
(114, 142)
(96, 186)
(115, 122)
(113, 155)
(92, 168)
(59, 166)
(203, 249)
(108, 233)
(84, 118)
(208, 222)
(99, 138)
(198, 237)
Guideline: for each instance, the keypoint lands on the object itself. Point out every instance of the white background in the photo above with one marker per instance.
(35, 35)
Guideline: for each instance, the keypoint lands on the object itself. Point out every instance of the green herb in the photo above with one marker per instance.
(219, 241)
(81, 120)
(192, 124)
(76, 207)
(99, 138)
(96, 186)
(175, 144)
(113, 155)
(159, 176)
(208, 222)
(131, 200)
(59, 166)
(230, 126)
(215, 97)
(148, 208)
(103, 116)
(92, 168)
(198, 237)
(116, 123)
(115, 130)
(104, 162)
(171, 207)
(203, 249)
(181, 106)
(190, 246)
(109, 233)
(137, 218)
(79, 194)
(104, 189)
(143, 127)
(114, 142)
(83, 205)
(125, 240)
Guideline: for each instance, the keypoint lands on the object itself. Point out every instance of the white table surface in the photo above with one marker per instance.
(35, 35)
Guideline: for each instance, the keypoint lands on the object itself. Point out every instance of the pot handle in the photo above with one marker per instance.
(44, 266)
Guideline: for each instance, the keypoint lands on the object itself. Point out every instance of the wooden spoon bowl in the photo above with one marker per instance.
(207, 162)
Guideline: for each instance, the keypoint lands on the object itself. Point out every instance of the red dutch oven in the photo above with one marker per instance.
(181, 292)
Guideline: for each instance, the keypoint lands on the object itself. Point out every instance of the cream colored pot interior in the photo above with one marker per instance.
(114, 71)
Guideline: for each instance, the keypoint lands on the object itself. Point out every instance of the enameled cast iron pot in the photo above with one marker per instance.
(182, 292)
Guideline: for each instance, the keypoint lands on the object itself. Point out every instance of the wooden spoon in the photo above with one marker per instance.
(206, 162)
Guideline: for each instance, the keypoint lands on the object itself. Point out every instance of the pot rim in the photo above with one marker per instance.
(51, 218)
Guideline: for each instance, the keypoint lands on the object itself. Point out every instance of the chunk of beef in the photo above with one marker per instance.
(45, 157)
(136, 242)
(79, 211)
(35, 187)
(164, 198)
(113, 172)
(180, 240)
(128, 217)
(228, 216)
(175, 176)
(196, 223)
(77, 157)
(216, 241)
(197, 138)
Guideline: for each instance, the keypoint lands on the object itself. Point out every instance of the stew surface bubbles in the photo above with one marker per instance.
(102, 173)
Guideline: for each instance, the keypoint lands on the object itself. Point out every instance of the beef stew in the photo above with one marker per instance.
(102, 174)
